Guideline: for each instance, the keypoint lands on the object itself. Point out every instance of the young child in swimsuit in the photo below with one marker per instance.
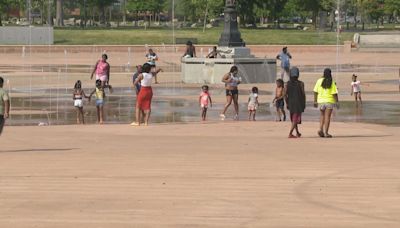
(204, 99)
(78, 96)
(100, 96)
(279, 100)
(253, 104)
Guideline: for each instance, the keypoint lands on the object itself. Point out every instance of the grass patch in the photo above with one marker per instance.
(210, 36)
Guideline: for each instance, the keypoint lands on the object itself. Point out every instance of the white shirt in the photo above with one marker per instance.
(147, 78)
(356, 86)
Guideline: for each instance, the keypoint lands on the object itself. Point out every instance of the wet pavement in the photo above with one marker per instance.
(55, 107)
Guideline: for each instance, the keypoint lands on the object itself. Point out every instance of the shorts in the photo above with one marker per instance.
(78, 103)
(2, 122)
(102, 78)
(324, 106)
(231, 92)
(295, 118)
(144, 98)
(252, 107)
(99, 102)
(280, 104)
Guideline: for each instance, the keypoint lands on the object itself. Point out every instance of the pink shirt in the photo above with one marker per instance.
(204, 98)
(102, 68)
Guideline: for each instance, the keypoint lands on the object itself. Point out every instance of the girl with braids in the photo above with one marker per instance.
(325, 98)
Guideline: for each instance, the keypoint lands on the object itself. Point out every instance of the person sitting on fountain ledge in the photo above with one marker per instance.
(190, 50)
(4, 105)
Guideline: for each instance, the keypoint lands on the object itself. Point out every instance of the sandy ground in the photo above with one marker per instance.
(217, 174)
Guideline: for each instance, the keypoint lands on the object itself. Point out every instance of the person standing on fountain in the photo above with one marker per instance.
(284, 57)
(102, 71)
(213, 54)
(190, 50)
(231, 81)
(143, 101)
(4, 105)
(151, 59)
(100, 96)
(356, 89)
(325, 98)
(253, 104)
(295, 97)
(279, 100)
(78, 96)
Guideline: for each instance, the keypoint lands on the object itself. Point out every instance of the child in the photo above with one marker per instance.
(4, 105)
(203, 101)
(100, 96)
(356, 89)
(77, 96)
(279, 100)
(253, 104)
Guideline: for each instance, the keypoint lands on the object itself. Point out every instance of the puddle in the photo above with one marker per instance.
(55, 107)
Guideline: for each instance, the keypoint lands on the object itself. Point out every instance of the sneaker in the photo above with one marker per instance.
(236, 117)
(135, 124)
(222, 116)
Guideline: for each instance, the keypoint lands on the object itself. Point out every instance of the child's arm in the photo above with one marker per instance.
(351, 91)
(73, 95)
(91, 94)
(138, 79)
(84, 94)
(226, 78)
(209, 97)
(108, 73)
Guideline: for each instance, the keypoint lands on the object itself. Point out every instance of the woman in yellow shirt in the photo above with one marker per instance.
(325, 98)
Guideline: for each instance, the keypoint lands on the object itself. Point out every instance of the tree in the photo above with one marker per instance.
(375, 10)
(392, 8)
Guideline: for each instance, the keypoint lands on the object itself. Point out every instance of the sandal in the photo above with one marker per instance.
(321, 134)
(328, 135)
(292, 137)
(298, 135)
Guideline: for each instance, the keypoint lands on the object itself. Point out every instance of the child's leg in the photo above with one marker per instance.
(98, 114)
(283, 113)
(77, 115)
(81, 114)
(101, 114)
(359, 97)
(204, 113)
(278, 114)
(254, 115)
(250, 114)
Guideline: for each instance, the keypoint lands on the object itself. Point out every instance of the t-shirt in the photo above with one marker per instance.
(151, 58)
(325, 95)
(285, 60)
(3, 97)
(253, 98)
(356, 86)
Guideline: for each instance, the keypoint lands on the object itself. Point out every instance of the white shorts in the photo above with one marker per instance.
(78, 103)
(204, 105)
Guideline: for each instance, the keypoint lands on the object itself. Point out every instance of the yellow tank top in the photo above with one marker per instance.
(99, 93)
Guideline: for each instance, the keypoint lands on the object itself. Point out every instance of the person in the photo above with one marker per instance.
(100, 96)
(102, 71)
(78, 96)
(143, 101)
(204, 100)
(325, 98)
(284, 57)
(279, 100)
(356, 89)
(253, 104)
(151, 59)
(213, 54)
(137, 85)
(4, 105)
(231, 81)
(295, 97)
(190, 50)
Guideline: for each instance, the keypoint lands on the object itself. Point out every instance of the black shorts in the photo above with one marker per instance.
(1, 123)
(231, 92)
(280, 103)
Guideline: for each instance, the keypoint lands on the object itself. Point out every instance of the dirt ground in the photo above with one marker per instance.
(212, 174)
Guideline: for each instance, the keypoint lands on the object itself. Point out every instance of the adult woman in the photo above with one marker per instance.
(325, 98)
(231, 81)
(143, 101)
(102, 71)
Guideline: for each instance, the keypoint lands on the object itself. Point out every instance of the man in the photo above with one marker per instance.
(284, 57)
(4, 105)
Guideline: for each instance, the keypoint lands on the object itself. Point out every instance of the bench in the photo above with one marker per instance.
(185, 40)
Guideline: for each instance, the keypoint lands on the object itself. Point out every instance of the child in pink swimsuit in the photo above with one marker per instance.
(204, 99)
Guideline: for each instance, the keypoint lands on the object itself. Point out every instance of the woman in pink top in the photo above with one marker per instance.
(102, 71)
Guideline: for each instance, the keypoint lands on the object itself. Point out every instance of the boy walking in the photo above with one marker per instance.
(4, 105)
(295, 100)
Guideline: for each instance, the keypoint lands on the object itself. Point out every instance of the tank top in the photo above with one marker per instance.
(99, 94)
(146, 81)
(102, 68)
(78, 94)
